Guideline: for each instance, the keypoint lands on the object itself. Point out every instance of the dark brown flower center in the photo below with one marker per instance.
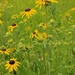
(26, 47)
(13, 24)
(34, 32)
(47, 3)
(3, 49)
(11, 62)
(28, 9)
(43, 24)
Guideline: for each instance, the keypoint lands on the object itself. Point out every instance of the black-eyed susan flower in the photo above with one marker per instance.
(10, 41)
(41, 36)
(20, 45)
(34, 34)
(57, 29)
(44, 35)
(12, 49)
(4, 51)
(12, 65)
(52, 20)
(26, 48)
(53, 1)
(44, 25)
(10, 28)
(28, 12)
(40, 3)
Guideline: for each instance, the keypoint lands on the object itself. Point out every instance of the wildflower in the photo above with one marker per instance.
(5, 51)
(67, 15)
(14, 16)
(40, 3)
(25, 20)
(31, 55)
(2, 47)
(43, 13)
(10, 28)
(10, 41)
(12, 49)
(52, 20)
(43, 25)
(34, 34)
(57, 29)
(69, 33)
(22, 39)
(26, 47)
(28, 28)
(73, 21)
(1, 22)
(73, 8)
(21, 22)
(73, 26)
(20, 45)
(65, 43)
(50, 36)
(53, 1)
(44, 35)
(28, 12)
(7, 34)
(12, 65)
(41, 36)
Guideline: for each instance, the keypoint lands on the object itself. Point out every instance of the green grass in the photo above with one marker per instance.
(54, 55)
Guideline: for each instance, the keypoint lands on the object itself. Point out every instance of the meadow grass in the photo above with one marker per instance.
(43, 44)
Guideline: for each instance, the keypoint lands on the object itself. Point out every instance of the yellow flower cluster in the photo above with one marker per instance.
(39, 36)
